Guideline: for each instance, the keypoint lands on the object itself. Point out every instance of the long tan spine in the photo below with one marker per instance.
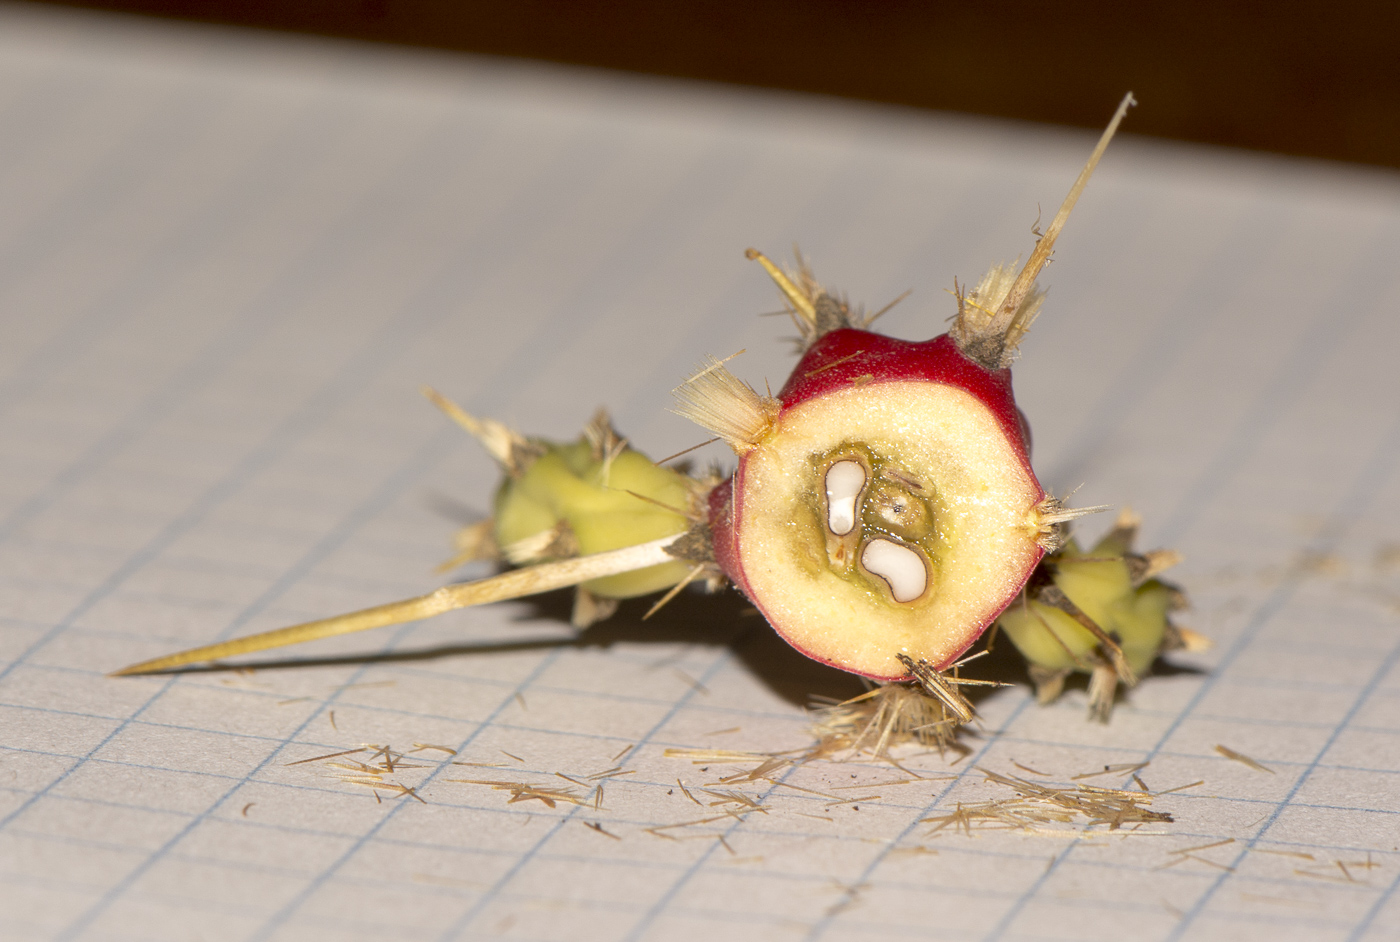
(514, 584)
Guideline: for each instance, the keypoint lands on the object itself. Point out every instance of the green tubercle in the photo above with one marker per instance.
(590, 496)
(1109, 586)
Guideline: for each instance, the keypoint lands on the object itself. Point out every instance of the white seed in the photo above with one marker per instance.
(844, 482)
(902, 568)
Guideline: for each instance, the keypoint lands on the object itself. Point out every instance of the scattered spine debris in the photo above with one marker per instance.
(1243, 759)
(1038, 805)
(332, 755)
(529, 791)
(1123, 768)
(597, 826)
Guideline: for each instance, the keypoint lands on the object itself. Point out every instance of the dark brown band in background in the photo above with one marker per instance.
(1307, 78)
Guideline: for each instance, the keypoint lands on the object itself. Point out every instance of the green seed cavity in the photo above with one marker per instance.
(879, 521)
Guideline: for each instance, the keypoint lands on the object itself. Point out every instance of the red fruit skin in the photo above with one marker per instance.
(836, 361)
(724, 534)
(844, 356)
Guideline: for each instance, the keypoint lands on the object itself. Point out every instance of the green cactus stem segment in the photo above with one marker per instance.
(1101, 584)
(1102, 588)
(574, 500)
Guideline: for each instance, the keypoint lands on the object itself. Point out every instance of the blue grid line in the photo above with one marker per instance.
(637, 931)
(657, 911)
(648, 244)
(368, 361)
(86, 201)
(1119, 404)
(828, 920)
(714, 170)
(1181, 322)
(534, 194)
(285, 912)
(415, 714)
(564, 643)
(1295, 374)
(1256, 421)
(814, 215)
(505, 812)
(485, 724)
(200, 237)
(168, 396)
(1287, 801)
(1358, 495)
(634, 932)
(510, 895)
(372, 356)
(406, 473)
(183, 110)
(460, 925)
(1125, 906)
(433, 450)
(777, 875)
(1266, 611)
(1363, 926)
(401, 841)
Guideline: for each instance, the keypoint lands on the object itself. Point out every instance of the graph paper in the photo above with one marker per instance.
(227, 264)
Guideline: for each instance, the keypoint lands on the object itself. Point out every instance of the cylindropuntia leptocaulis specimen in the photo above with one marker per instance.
(883, 513)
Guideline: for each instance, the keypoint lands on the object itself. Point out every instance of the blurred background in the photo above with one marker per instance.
(1305, 78)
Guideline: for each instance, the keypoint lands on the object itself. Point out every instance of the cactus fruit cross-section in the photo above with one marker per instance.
(882, 515)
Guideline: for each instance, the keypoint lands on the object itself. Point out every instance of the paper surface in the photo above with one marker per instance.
(228, 262)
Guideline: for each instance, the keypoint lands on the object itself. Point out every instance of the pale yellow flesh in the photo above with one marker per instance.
(984, 502)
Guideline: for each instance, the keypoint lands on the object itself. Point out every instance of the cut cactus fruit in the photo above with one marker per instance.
(888, 508)
(882, 515)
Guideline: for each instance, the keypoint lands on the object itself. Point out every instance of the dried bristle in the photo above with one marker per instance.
(472, 542)
(558, 542)
(590, 609)
(717, 400)
(941, 687)
(511, 450)
(814, 310)
(1046, 243)
(799, 289)
(1049, 516)
(1243, 759)
(1158, 562)
(1044, 809)
(977, 327)
(991, 341)
(604, 442)
(528, 791)
(1103, 689)
(890, 715)
(1192, 641)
